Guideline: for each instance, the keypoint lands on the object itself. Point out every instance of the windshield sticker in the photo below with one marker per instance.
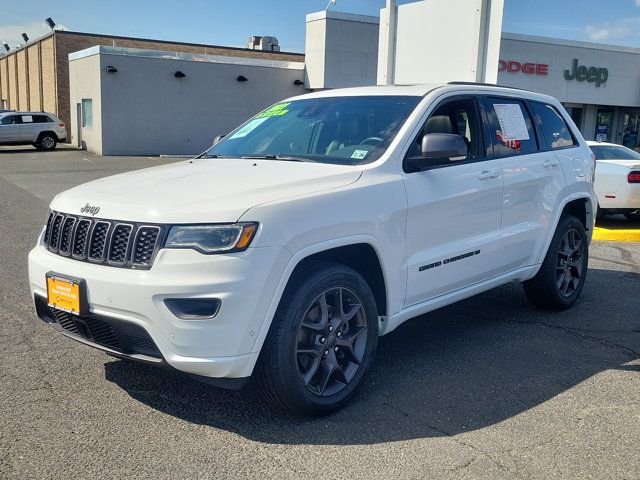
(360, 154)
(249, 127)
(512, 123)
(275, 111)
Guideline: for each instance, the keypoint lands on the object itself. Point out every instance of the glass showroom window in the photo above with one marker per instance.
(87, 113)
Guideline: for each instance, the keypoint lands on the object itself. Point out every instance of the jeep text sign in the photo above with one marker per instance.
(581, 73)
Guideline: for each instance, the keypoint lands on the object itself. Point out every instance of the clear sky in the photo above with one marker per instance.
(230, 22)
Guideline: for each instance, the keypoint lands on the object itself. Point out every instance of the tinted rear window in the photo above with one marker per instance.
(609, 152)
(555, 130)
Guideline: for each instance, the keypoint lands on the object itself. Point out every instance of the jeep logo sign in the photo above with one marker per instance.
(582, 73)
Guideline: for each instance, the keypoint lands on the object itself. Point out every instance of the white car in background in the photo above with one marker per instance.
(617, 182)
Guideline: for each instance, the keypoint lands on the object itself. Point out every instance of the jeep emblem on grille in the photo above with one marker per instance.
(90, 209)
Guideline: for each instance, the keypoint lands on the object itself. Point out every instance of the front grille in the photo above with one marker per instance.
(118, 335)
(106, 242)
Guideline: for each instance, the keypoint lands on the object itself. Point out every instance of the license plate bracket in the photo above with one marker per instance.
(66, 293)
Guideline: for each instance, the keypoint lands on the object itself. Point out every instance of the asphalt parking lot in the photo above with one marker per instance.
(487, 388)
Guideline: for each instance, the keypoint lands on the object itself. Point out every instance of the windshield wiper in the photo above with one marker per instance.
(276, 157)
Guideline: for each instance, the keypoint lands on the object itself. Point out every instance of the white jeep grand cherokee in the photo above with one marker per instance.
(327, 220)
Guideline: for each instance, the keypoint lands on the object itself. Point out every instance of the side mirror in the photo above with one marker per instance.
(217, 139)
(438, 149)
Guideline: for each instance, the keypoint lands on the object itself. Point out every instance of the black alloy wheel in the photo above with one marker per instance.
(560, 278)
(570, 263)
(331, 341)
(322, 340)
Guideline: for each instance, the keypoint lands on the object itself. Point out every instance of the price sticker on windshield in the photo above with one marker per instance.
(275, 111)
(359, 154)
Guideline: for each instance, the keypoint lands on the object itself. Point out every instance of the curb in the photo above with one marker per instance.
(607, 235)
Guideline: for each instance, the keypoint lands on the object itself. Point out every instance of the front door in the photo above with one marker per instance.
(9, 129)
(453, 218)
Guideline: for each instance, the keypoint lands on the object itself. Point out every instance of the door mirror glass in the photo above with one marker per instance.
(439, 149)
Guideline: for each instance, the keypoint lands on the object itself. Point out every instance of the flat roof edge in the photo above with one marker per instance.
(189, 57)
(568, 43)
(333, 15)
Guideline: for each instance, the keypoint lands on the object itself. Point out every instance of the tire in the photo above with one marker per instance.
(559, 282)
(47, 142)
(306, 364)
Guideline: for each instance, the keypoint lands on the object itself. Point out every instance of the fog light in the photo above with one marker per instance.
(193, 308)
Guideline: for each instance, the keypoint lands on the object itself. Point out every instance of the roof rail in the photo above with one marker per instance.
(489, 85)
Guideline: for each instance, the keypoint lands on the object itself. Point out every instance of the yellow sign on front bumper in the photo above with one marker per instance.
(63, 294)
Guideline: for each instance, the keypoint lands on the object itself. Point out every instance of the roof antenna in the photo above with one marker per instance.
(332, 2)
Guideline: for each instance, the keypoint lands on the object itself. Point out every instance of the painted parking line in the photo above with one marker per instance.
(621, 235)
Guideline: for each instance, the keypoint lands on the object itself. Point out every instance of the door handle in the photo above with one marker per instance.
(488, 174)
(549, 163)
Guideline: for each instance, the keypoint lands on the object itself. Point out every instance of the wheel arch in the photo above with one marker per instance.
(51, 132)
(580, 205)
(351, 251)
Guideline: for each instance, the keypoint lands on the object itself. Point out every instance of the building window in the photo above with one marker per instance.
(87, 113)
(4, 104)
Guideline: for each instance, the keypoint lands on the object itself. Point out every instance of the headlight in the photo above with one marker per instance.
(212, 238)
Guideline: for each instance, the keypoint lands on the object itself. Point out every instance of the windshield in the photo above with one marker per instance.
(339, 130)
(606, 152)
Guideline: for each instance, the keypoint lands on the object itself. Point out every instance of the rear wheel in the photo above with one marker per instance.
(561, 277)
(47, 142)
(322, 341)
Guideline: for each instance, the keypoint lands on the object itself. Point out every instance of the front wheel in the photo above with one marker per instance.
(322, 340)
(558, 283)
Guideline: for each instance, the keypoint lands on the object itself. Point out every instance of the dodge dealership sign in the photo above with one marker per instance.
(512, 66)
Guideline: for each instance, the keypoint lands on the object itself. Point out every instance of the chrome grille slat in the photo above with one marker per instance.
(54, 240)
(80, 239)
(99, 241)
(66, 235)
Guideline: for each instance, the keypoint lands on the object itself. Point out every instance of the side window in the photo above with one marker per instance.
(8, 120)
(26, 118)
(554, 129)
(41, 119)
(458, 116)
(510, 127)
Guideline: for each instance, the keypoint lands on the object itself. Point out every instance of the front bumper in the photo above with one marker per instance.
(221, 347)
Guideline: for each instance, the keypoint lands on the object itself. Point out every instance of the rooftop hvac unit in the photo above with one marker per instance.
(269, 44)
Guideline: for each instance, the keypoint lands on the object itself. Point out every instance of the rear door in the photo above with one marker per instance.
(29, 128)
(9, 129)
(533, 180)
(453, 216)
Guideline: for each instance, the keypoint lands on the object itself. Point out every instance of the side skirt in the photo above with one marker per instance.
(389, 324)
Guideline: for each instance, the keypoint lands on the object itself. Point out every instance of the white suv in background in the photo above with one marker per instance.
(327, 220)
(42, 130)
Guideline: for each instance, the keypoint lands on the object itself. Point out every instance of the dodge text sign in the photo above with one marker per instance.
(511, 66)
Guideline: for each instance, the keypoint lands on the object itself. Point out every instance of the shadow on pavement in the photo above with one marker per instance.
(617, 222)
(62, 147)
(458, 369)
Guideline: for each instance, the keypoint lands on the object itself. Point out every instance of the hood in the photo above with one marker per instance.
(630, 164)
(206, 190)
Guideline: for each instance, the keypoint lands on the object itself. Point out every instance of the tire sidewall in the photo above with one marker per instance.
(330, 276)
(53, 139)
(566, 223)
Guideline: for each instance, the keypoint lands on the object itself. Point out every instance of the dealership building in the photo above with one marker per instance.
(598, 84)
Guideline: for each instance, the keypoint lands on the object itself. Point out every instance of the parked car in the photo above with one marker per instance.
(325, 221)
(617, 183)
(42, 130)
